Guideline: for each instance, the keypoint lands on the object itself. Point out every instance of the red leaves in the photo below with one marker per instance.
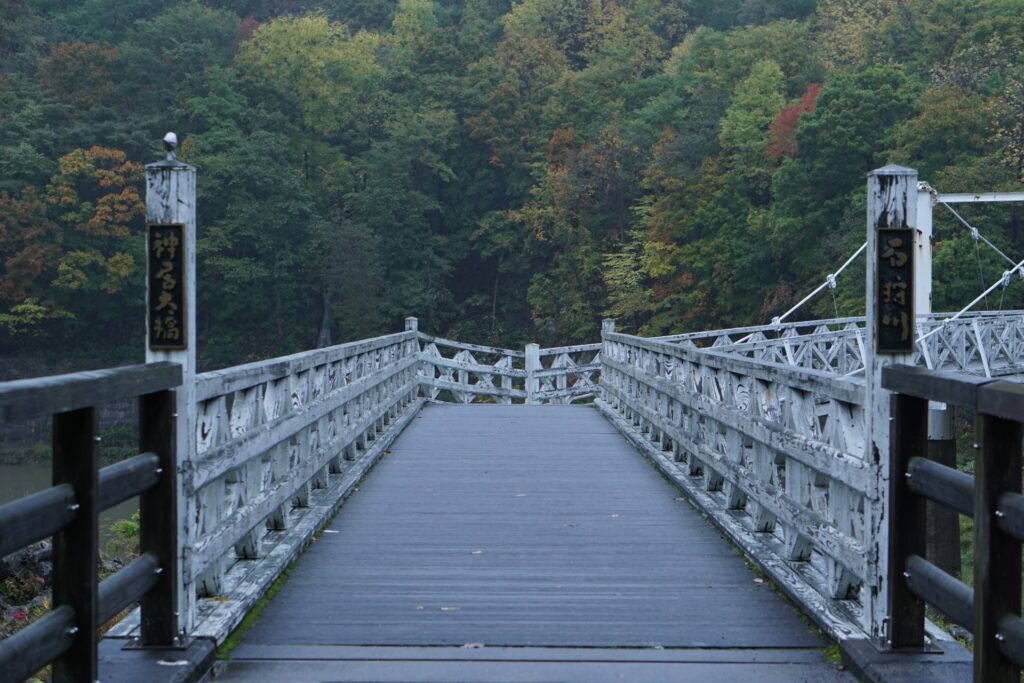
(782, 131)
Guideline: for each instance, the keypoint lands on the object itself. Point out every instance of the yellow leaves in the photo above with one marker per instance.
(119, 268)
(328, 73)
(658, 257)
(847, 29)
(78, 269)
(98, 188)
(76, 238)
(71, 269)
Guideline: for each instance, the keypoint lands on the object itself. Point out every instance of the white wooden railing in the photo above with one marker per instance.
(773, 455)
(764, 429)
(988, 343)
(470, 373)
(279, 445)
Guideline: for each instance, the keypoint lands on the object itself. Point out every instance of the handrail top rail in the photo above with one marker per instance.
(217, 382)
(41, 396)
(988, 395)
(431, 339)
(574, 348)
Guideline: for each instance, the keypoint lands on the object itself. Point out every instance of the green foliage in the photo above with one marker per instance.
(123, 542)
(505, 171)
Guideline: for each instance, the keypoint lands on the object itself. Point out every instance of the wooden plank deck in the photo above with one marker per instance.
(540, 534)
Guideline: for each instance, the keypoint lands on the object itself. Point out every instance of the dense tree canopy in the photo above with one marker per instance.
(506, 170)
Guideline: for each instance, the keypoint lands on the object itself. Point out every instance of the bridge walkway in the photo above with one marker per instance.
(523, 543)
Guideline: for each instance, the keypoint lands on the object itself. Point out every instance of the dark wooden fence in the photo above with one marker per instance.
(992, 497)
(68, 511)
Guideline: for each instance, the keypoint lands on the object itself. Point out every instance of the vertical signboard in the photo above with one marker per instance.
(166, 314)
(895, 291)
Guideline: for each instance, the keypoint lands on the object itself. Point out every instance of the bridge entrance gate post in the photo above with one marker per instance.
(170, 202)
(891, 205)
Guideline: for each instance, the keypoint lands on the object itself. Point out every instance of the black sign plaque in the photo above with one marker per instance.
(894, 322)
(166, 272)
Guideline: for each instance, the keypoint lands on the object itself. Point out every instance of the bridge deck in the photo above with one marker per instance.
(540, 534)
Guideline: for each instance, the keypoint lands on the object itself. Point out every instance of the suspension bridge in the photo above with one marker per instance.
(706, 506)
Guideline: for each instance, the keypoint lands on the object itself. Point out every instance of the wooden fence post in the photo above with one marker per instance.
(171, 200)
(76, 547)
(158, 511)
(906, 520)
(532, 366)
(997, 561)
(891, 204)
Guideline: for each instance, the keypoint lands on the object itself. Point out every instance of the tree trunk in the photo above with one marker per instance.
(324, 337)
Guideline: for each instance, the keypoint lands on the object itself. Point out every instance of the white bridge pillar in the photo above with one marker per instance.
(170, 201)
(892, 202)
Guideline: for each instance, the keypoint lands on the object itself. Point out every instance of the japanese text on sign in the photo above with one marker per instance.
(166, 272)
(895, 313)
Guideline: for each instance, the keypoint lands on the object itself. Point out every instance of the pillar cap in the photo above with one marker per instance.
(171, 164)
(893, 169)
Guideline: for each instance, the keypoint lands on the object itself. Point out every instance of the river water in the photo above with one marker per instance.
(17, 481)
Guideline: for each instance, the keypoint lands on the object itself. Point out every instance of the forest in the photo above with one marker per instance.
(505, 170)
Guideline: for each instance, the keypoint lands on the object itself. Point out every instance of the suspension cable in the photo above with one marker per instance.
(830, 281)
(976, 234)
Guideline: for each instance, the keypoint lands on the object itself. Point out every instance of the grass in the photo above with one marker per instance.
(235, 639)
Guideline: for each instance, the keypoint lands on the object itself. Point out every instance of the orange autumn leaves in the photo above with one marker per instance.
(77, 236)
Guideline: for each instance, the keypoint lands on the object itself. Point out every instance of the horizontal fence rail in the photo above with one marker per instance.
(992, 497)
(67, 636)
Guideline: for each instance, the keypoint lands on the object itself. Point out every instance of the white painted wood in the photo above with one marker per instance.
(923, 256)
(966, 197)
(892, 202)
(171, 198)
(532, 367)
